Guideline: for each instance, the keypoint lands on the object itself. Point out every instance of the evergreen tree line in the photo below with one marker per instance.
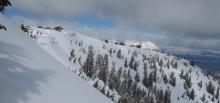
(121, 80)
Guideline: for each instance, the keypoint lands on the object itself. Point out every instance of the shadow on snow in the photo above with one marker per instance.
(16, 79)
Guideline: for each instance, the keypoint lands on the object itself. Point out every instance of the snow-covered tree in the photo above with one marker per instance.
(203, 98)
(137, 77)
(131, 64)
(23, 28)
(210, 88)
(165, 79)
(147, 82)
(111, 78)
(200, 84)
(167, 98)
(88, 66)
(103, 90)
(119, 55)
(155, 75)
(161, 63)
(103, 73)
(172, 79)
(3, 5)
(96, 84)
(126, 63)
(72, 55)
(217, 94)
(191, 94)
(135, 67)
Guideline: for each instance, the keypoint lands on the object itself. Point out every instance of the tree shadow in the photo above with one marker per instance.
(16, 79)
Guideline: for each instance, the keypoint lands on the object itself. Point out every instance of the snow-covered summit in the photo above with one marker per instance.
(138, 44)
(143, 44)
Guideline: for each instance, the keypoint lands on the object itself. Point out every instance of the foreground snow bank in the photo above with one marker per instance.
(29, 75)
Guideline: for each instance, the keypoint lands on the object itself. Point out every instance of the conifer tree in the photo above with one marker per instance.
(103, 73)
(88, 66)
(23, 28)
(147, 82)
(119, 73)
(191, 94)
(210, 88)
(137, 77)
(119, 56)
(181, 75)
(3, 5)
(135, 66)
(172, 79)
(145, 79)
(131, 64)
(203, 98)
(117, 79)
(111, 82)
(103, 90)
(123, 87)
(167, 96)
(165, 79)
(161, 63)
(155, 75)
(160, 98)
(96, 84)
(126, 63)
(98, 65)
(129, 87)
(217, 94)
(145, 66)
(200, 84)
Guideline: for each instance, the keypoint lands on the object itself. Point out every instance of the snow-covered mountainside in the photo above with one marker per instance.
(128, 74)
(28, 74)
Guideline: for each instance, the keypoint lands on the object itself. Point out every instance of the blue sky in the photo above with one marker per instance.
(12, 11)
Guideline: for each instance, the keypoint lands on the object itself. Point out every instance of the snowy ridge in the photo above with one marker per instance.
(133, 74)
(144, 44)
(138, 44)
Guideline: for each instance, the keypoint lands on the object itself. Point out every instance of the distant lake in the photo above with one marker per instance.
(208, 62)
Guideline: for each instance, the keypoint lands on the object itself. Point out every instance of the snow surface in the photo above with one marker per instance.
(28, 74)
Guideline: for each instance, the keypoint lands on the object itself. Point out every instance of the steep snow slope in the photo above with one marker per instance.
(29, 75)
(175, 76)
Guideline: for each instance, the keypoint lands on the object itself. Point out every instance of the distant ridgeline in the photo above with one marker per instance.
(57, 28)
